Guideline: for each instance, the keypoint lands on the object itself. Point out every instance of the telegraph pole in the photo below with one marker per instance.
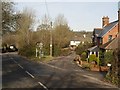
(51, 39)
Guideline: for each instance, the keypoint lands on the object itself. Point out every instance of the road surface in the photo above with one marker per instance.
(19, 72)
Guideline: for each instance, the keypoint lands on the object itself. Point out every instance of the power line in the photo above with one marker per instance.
(47, 8)
(50, 30)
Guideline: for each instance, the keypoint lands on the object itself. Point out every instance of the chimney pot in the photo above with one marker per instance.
(105, 21)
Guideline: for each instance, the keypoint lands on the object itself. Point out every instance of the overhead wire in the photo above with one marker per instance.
(47, 8)
(50, 30)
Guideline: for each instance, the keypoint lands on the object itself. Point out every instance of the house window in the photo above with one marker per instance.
(100, 40)
(110, 38)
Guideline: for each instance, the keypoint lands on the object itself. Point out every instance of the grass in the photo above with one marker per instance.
(43, 59)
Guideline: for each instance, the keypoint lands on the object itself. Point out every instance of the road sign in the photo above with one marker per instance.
(39, 49)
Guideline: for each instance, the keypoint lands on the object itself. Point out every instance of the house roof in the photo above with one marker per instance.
(114, 44)
(106, 44)
(111, 45)
(79, 36)
(108, 28)
(76, 38)
(94, 49)
(97, 31)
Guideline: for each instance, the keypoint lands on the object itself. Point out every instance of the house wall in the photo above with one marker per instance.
(74, 43)
(112, 32)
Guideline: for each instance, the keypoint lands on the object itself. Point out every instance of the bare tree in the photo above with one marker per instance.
(62, 33)
(43, 33)
(45, 23)
(60, 20)
(26, 22)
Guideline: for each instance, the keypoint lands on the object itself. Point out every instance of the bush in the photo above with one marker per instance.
(56, 50)
(27, 51)
(65, 52)
(82, 47)
(101, 58)
(93, 58)
(86, 66)
(83, 56)
(108, 57)
(46, 50)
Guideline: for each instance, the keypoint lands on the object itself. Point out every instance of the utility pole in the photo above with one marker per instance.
(51, 39)
(118, 66)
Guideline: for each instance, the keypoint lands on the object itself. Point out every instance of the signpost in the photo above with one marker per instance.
(39, 49)
(51, 40)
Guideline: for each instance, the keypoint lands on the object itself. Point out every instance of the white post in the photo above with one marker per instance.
(51, 40)
(39, 54)
(36, 52)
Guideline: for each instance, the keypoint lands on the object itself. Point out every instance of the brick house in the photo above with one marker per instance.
(105, 38)
(105, 34)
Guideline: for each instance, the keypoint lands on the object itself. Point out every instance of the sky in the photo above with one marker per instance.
(80, 15)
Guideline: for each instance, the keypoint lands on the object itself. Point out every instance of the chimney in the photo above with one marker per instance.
(105, 21)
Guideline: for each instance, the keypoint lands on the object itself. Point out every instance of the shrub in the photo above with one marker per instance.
(46, 50)
(86, 66)
(56, 50)
(27, 51)
(83, 56)
(108, 57)
(93, 58)
(101, 58)
(65, 52)
(82, 47)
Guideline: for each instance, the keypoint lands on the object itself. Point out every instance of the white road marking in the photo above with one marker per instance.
(30, 74)
(14, 61)
(20, 66)
(43, 86)
(17, 63)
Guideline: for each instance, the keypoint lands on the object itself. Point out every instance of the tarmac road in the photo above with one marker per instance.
(19, 72)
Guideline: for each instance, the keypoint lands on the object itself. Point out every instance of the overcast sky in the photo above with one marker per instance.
(80, 15)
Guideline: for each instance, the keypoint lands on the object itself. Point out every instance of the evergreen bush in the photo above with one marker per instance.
(83, 56)
(93, 58)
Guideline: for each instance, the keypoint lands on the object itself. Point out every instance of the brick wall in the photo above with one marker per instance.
(112, 32)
